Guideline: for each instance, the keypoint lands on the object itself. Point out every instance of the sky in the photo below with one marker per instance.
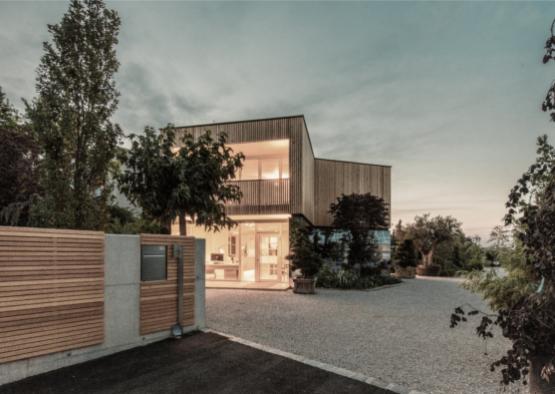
(447, 93)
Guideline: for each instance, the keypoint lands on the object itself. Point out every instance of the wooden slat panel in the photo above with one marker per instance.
(332, 178)
(314, 183)
(261, 197)
(159, 298)
(51, 291)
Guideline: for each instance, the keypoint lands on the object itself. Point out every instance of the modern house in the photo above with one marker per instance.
(280, 180)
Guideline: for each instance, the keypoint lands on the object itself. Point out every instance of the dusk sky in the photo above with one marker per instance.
(448, 94)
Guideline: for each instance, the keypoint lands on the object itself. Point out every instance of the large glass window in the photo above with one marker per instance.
(285, 169)
(249, 170)
(269, 169)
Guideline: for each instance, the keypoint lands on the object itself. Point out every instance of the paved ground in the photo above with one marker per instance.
(199, 363)
(398, 334)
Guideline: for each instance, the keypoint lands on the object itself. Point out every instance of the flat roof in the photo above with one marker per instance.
(244, 121)
(282, 117)
(354, 162)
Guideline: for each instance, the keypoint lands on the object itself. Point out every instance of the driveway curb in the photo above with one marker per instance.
(396, 388)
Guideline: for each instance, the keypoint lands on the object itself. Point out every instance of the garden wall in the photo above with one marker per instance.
(70, 296)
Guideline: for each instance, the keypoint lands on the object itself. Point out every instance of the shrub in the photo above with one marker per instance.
(304, 256)
(348, 279)
(405, 255)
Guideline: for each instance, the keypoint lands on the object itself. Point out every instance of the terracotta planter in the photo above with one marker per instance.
(429, 270)
(304, 285)
(537, 384)
(405, 272)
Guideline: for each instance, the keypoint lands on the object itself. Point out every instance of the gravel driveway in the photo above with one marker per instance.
(398, 334)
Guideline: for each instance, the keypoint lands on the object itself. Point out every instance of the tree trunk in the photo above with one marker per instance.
(166, 225)
(538, 385)
(182, 224)
(430, 258)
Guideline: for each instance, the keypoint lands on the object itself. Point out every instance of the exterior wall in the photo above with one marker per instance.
(158, 299)
(307, 181)
(288, 197)
(332, 178)
(243, 266)
(121, 310)
(51, 291)
(314, 183)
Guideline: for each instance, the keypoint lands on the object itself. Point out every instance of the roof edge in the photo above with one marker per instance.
(242, 121)
(355, 162)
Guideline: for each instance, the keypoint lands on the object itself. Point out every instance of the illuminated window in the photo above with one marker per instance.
(285, 169)
(249, 170)
(269, 169)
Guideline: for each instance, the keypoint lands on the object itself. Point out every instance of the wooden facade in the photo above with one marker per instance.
(313, 184)
(51, 291)
(332, 178)
(158, 299)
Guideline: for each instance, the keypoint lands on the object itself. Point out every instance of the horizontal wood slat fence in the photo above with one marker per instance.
(51, 291)
(159, 298)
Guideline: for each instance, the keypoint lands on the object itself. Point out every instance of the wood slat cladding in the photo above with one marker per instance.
(314, 183)
(261, 197)
(332, 178)
(249, 130)
(158, 299)
(51, 291)
(292, 128)
(307, 177)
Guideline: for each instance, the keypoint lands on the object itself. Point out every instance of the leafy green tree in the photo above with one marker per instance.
(427, 233)
(359, 215)
(170, 178)
(525, 299)
(70, 117)
(18, 161)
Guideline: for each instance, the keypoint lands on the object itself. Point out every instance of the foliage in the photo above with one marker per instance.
(304, 255)
(525, 299)
(18, 162)
(359, 214)
(327, 247)
(348, 279)
(192, 181)
(504, 291)
(427, 233)
(70, 117)
(405, 254)
(124, 221)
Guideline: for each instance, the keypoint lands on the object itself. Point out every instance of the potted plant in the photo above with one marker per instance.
(405, 260)
(305, 260)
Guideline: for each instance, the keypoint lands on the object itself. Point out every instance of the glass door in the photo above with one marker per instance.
(268, 259)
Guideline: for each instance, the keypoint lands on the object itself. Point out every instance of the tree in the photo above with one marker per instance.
(171, 178)
(360, 214)
(70, 117)
(427, 233)
(525, 299)
(405, 254)
(18, 159)
(525, 302)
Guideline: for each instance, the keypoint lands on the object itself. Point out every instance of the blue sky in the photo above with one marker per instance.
(447, 93)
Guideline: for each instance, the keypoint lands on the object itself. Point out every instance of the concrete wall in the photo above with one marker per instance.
(121, 311)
